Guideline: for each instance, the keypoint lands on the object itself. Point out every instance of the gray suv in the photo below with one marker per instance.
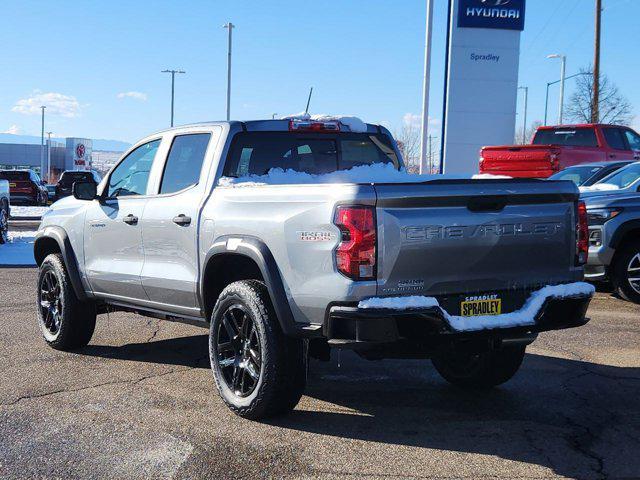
(614, 231)
(195, 225)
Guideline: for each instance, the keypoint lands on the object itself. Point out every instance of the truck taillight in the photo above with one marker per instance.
(582, 235)
(356, 252)
(555, 164)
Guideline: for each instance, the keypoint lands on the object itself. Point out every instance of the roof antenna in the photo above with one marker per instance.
(308, 101)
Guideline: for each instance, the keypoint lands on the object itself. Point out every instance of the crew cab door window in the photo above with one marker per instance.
(184, 162)
(131, 175)
(633, 139)
(614, 138)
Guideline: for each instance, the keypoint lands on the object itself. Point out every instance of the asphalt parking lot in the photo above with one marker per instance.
(139, 402)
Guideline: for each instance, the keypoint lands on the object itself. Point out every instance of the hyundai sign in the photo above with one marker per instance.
(501, 14)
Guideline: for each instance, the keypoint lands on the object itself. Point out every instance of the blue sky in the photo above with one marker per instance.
(98, 63)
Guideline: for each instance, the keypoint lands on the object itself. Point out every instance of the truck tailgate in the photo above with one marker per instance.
(517, 161)
(464, 236)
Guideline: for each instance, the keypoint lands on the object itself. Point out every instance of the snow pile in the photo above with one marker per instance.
(19, 250)
(489, 176)
(522, 317)
(27, 212)
(600, 187)
(354, 123)
(376, 173)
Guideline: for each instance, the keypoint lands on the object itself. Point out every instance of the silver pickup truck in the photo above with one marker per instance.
(4, 211)
(211, 224)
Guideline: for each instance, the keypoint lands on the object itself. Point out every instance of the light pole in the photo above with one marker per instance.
(546, 101)
(563, 64)
(42, 142)
(230, 26)
(424, 139)
(49, 157)
(273, 116)
(524, 120)
(173, 85)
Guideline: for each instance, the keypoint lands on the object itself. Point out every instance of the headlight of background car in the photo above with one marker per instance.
(601, 215)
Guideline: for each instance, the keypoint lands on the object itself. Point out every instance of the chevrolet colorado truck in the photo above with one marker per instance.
(190, 226)
(555, 148)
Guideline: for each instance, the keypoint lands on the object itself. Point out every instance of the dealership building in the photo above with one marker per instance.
(74, 154)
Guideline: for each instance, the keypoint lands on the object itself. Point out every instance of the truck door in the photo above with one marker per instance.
(170, 224)
(619, 148)
(113, 234)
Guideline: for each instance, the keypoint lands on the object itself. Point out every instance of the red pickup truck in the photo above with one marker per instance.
(556, 148)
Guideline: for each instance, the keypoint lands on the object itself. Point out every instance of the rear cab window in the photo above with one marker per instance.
(574, 137)
(255, 153)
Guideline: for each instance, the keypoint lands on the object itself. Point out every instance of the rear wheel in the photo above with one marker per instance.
(66, 322)
(4, 225)
(258, 370)
(479, 370)
(626, 272)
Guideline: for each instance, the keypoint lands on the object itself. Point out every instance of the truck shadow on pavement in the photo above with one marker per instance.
(576, 418)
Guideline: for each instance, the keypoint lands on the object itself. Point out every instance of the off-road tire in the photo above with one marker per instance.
(4, 225)
(620, 274)
(77, 319)
(483, 370)
(283, 372)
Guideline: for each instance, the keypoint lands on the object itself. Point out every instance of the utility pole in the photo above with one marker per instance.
(173, 87)
(595, 108)
(230, 26)
(49, 157)
(42, 143)
(425, 87)
(524, 120)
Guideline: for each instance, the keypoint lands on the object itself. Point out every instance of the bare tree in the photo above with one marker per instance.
(528, 135)
(408, 138)
(613, 106)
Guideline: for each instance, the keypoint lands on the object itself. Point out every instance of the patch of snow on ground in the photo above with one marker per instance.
(600, 187)
(27, 211)
(376, 173)
(19, 250)
(489, 176)
(522, 317)
(354, 123)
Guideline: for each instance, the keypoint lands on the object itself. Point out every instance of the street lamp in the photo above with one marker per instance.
(524, 120)
(173, 83)
(563, 64)
(230, 26)
(546, 101)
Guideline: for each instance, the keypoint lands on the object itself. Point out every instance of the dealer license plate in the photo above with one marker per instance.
(12, 184)
(481, 305)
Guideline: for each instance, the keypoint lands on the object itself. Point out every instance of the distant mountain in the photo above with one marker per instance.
(98, 144)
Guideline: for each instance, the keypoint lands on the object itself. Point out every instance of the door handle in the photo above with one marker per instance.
(130, 219)
(612, 155)
(182, 219)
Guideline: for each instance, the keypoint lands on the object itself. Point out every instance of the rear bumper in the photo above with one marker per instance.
(533, 173)
(351, 326)
(23, 197)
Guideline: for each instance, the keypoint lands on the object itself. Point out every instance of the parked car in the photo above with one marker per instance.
(68, 178)
(4, 211)
(51, 192)
(25, 187)
(465, 272)
(589, 173)
(624, 181)
(614, 233)
(555, 148)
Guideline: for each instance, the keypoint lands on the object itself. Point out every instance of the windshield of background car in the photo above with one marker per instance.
(623, 177)
(255, 153)
(576, 137)
(577, 175)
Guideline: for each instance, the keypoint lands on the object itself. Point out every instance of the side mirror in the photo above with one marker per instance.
(84, 190)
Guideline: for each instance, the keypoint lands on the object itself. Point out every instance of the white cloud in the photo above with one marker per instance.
(414, 120)
(13, 130)
(135, 95)
(56, 103)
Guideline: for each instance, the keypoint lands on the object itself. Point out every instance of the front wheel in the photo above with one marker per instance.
(66, 322)
(626, 272)
(259, 372)
(479, 370)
